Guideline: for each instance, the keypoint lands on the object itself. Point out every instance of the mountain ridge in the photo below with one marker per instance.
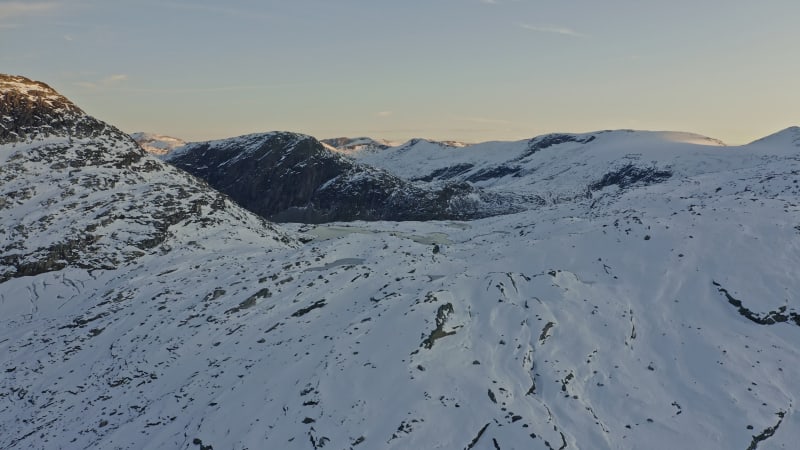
(287, 176)
(86, 155)
(438, 180)
(32, 109)
(157, 144)
(654, 314)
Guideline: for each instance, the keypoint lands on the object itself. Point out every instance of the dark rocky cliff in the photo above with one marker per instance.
(293, 178)
(30, 109)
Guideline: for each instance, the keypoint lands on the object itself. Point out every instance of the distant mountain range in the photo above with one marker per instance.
(617, 289)
(157, 144)
(356, 145)
(289, 177)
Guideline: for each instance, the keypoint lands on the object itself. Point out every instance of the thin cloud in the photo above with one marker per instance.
(484, 120)
(15, 9)
(114, 82)
(216, 10)
(107, 82)
(384, 113)
(564, 31)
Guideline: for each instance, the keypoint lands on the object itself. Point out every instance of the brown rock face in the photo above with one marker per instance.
(31, 109)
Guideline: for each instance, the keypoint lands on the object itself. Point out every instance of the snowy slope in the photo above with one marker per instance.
(785, 142)
(658, 316)
(559, 168)
(83, 194)
(575, 156)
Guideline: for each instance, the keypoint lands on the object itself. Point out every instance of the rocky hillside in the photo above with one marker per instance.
(31, 109)
(80, 193)
(292, 177)
(654, 314)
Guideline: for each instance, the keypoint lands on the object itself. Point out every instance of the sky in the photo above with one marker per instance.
(468, 70)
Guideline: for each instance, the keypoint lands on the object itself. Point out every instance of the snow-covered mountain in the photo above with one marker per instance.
(293, 177)
(533, 164)
(366, 145)
(33, 110)
(657, 313)
(157, 144)
(81, 193)
(290, 177)
(356, 145)
(787, 140)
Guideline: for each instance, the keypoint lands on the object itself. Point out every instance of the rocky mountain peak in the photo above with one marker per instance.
(82, 194)
(31, 110)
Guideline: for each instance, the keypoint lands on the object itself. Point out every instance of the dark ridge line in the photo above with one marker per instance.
(303, 311)
(771, 318)
(478, 437)
(767, 433)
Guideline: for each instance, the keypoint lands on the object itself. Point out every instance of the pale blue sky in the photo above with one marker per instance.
(469, 70)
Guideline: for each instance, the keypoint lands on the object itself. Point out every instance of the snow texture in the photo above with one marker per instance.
(629, 310)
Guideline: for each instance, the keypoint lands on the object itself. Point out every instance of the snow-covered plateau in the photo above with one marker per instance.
(644, 295)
